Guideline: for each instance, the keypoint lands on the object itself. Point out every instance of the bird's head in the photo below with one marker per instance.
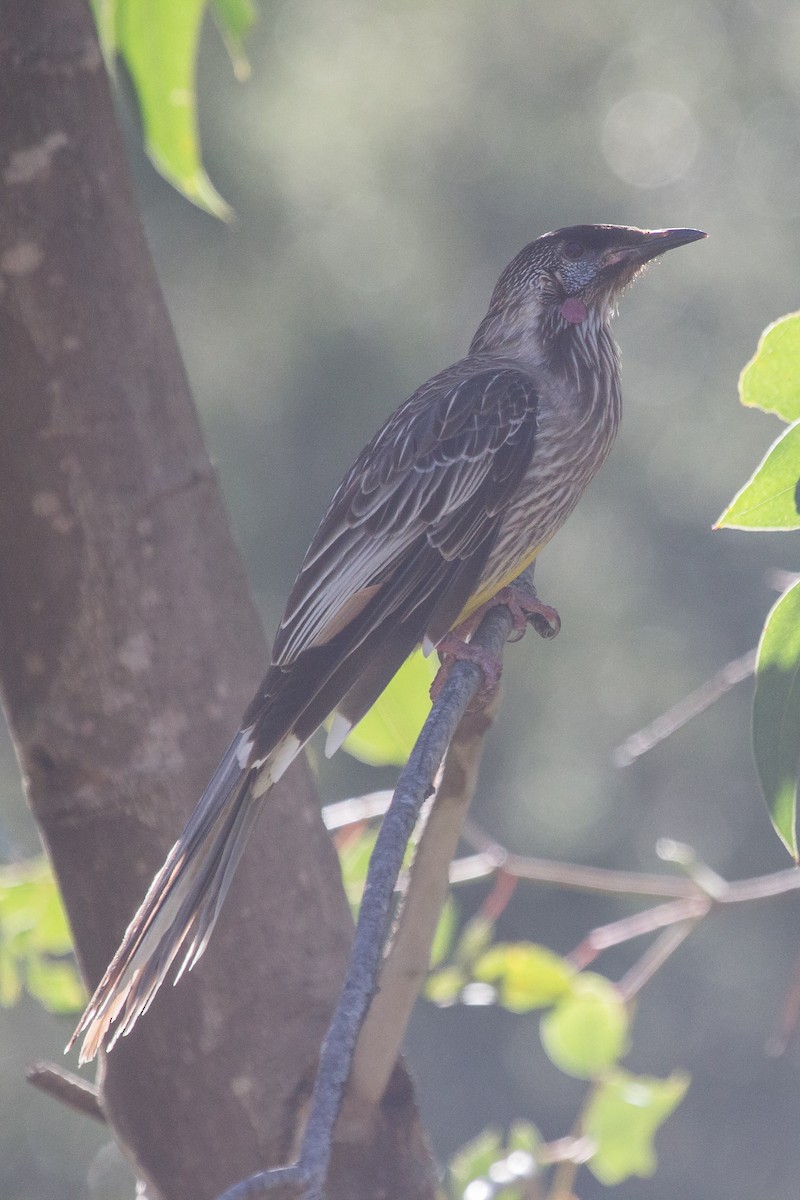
(574, 276)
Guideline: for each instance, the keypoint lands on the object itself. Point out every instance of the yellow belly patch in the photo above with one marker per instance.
(492, 586)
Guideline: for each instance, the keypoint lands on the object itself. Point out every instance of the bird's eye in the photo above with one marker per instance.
(573, 250)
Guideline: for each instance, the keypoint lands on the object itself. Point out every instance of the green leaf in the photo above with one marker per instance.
(771, 380)
(354, 856)
(158, 42)
(505, 1163)
(587, 1031)
(386, 735)
(622, 1118)
(56, 985)
(10, 979)
(31, 912)
(445, 932)
(523, 1136)
(474, 939)
(771, 497)
(33, 929)
(527, 976)
(234, 18)
(474, 1159)
(445, 986)
(105, 17)
(776, 715)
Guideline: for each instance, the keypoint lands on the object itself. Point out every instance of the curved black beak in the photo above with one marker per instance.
(650, 243)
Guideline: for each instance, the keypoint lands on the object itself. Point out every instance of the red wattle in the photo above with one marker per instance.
(574, 310)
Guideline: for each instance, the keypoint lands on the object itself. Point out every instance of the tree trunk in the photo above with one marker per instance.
(129, 646)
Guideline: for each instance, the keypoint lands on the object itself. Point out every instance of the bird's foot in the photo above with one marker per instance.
(452, 648)
(527, 609)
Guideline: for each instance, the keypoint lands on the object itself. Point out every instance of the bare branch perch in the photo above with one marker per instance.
(405, 967)
(415, 784)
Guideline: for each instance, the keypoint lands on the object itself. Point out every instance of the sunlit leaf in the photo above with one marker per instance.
(523, 1136)
(56, 985)
(527, 976)
(587, 1030)
(105, 16)
(771, 497)
(354, 856)
(445, 986)
(771, 380)
(387, 733)
(34, 929)
(234, 18)
(474, 1159)
(31, 910)
(502, 1165)
(776, 715)
(623, 1116)
(10, 979)
(445, 932)
(474, 939)
(158, 42)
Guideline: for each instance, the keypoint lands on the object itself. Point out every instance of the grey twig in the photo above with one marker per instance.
(405, 966)
(655, 956)
(685, 710)
(69, 1089)
(413, 787)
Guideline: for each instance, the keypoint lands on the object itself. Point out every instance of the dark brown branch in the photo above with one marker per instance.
(130, 648)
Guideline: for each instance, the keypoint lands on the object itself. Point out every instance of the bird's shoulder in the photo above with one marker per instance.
(468, 410)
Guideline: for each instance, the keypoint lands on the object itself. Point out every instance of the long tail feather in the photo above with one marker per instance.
(184, 900)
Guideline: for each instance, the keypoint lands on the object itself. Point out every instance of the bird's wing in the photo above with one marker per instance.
(430, 488)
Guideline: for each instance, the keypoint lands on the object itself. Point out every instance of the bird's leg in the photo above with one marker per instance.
(526, 609)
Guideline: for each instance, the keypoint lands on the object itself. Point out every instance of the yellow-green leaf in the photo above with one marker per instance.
(474, 1159)
(587, 1030)
(56, 985)
(771, 497)
(34, 929)
(386, 735)
(105, 16)
(771, 380)
(474, 939)
(527, 976)
(776, 715)
(622, 1118)
(445, 932)
(10, 981)
(158, 42)
(354, 856)
(234, 18)
(445, 986)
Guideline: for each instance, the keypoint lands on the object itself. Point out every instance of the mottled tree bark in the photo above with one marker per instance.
(129, 646)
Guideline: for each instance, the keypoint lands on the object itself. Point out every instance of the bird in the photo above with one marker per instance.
(454, 496)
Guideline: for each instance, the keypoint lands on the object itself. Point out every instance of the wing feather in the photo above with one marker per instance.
(442, 469)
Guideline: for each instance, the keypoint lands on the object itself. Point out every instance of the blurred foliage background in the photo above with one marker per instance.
(384, 162)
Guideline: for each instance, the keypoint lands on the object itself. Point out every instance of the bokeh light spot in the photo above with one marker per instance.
(650, 138)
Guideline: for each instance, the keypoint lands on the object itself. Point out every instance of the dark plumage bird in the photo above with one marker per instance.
(454, 496)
